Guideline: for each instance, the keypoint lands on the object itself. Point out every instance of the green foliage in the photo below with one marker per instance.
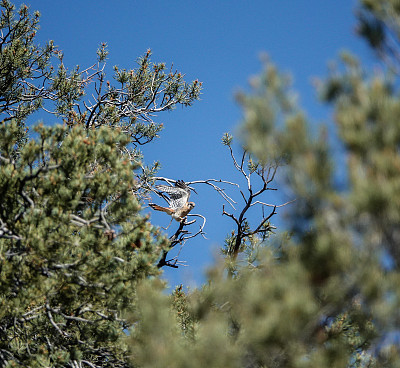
(73, 244)
(378, 25)
(264, 112)
(227, 139)
(157, 341)
(366, 116)
(21, 60)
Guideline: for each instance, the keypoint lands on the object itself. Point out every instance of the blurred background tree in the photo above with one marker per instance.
(326, 293)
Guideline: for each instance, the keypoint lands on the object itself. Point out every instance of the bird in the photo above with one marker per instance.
(177, 198)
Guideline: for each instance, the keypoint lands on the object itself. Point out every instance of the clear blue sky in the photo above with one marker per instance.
(219, 43)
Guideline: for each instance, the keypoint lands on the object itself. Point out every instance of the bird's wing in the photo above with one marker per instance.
(178, 196)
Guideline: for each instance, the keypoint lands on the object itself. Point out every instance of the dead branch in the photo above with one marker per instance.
(267, 174)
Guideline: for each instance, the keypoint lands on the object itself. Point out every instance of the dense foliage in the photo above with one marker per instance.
(73, 242)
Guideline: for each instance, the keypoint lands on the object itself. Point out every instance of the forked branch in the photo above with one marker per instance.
(265, 172)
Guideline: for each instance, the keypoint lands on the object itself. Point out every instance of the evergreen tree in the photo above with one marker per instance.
(73, 242)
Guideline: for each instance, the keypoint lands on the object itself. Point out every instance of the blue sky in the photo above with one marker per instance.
(219, 43)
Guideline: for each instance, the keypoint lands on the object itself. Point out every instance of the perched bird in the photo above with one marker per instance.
(177, 198)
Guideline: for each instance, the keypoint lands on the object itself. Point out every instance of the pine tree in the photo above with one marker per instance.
(73, 243)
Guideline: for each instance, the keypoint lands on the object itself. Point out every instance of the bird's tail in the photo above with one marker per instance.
(160, 208)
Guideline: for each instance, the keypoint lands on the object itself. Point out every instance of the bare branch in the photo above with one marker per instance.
(243, 231)
(229, 215)
(49, 310)
(200, 231)
(272, 205)
(180, 237)
(258, 228)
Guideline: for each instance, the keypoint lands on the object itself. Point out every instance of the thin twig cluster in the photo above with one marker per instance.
(247, 167)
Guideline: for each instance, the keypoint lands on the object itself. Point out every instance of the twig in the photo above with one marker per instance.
(62, 333)
(273, 205)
